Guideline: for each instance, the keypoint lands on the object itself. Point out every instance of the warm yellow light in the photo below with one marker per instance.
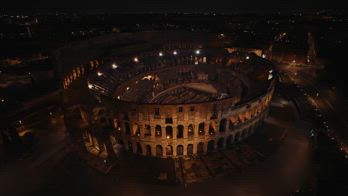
(114, 66)
(90, 86)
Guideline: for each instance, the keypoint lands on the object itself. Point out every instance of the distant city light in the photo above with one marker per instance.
(20, 122)
(127, 88)
(198, 51)
(136, 59)
(90, 86)
(160, 54)
(114, 66)
(247, 57)
(175, 52)
(263, 56)
(2, 100)
(118, 97)
(99, 73)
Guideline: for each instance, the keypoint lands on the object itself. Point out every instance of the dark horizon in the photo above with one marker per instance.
(177, 6)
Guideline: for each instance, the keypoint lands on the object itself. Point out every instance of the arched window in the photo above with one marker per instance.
(158, 131)
(169, 132)
(180, 150)
(180, 131)
(147, 130)
(148, 150)
(159, 150)
(190, 149)
(169, 150)
(211, 129)
(190, 131)
(201, 129)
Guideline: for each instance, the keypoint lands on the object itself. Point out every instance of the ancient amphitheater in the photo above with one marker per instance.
(162, 94)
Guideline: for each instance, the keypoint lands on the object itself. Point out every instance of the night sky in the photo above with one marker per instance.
(170, 5)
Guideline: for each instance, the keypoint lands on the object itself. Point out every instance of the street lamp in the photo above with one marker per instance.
(198, 51)
(175, 52)
(114, 66)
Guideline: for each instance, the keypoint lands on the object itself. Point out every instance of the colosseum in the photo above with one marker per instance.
(162, 94)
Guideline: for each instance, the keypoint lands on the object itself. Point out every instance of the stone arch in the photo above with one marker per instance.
(148, 150)
(158, 131)
(211, 146)
(201, 130)
(190, 131)
(169, 150)
(190, 149)
(147, 130)
(222, 126)
(180, 150)
(200, 148)
(159, 151)
(169, 132)
(220, 143)
(180, 131)
(212, 128)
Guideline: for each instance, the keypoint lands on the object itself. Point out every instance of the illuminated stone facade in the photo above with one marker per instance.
(118, 118)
